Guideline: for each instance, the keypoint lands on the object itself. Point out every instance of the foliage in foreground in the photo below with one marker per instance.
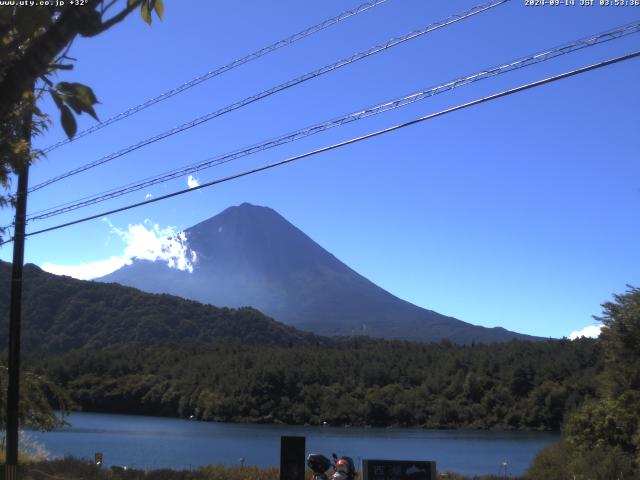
(564, 461)
(457, 476)
(30, 450)
(75, 469)
(517, 385)
(601, 441)
(34, 48)
(39, 396)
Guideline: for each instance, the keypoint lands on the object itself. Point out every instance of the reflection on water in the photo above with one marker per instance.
(152, 442)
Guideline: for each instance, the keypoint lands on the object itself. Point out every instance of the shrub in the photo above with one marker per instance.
(563, 461)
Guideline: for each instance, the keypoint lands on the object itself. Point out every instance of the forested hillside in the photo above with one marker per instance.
(61, 314)
(117, 349)
(517, 385)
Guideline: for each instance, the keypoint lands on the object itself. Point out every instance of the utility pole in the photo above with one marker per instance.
(15, 312)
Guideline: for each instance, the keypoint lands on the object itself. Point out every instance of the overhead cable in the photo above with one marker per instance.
(354, 116)
(220, 70)
(344, 143)
(266, 93)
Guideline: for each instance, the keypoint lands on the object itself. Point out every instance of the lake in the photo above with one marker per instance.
(153, 442)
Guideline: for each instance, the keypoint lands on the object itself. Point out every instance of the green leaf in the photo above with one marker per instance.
(56, 98)
(85, 94)
(91, 112)
(86, 97)
(74, 103)
(68, 121)
(159, 8)
(79, 97)
(145, 12)
(65, 88)
(131, 3)
(79, 90)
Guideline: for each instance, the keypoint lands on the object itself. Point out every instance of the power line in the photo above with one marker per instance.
(266, 93)
(360, 114)
(220, 70)
(346, 142)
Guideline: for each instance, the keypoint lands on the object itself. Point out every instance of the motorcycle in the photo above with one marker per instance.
(343, 467)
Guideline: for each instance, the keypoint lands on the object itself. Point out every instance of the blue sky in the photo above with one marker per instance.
(522, 212)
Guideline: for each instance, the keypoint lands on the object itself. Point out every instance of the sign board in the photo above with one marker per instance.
(398, 470)
(292, 464)
(98, 458)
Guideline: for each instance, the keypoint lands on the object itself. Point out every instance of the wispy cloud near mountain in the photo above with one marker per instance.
(145, 241)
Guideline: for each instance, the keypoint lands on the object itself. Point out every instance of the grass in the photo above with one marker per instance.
(75, 469)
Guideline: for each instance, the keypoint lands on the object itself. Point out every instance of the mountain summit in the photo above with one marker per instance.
(251, 256)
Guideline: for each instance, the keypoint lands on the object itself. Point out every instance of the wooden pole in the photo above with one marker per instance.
(15, 313)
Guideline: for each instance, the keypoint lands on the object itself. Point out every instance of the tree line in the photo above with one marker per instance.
(516, 385)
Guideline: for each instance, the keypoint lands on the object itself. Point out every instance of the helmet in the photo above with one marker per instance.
(345, 465)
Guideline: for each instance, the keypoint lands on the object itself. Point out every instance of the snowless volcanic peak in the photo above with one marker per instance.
(250, 255)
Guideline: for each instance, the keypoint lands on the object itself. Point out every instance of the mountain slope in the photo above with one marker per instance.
(61, 314)
(250, 255)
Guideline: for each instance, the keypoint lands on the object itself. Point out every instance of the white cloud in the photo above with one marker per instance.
(192, 181)
(146, 241)
(86, 271)
(590, 331)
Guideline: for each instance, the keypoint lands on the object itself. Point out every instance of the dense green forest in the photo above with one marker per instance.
(117, 349)
(601, 440)
(62, 313)
(517, 385)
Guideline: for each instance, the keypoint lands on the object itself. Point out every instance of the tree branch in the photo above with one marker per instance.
(35, 62)
(113, 20)
(63, 55)
(108, 6)
(20, 76)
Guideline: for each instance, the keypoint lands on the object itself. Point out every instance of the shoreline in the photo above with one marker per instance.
(469, 428)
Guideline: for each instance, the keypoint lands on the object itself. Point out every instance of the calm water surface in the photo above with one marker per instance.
(152, 442)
